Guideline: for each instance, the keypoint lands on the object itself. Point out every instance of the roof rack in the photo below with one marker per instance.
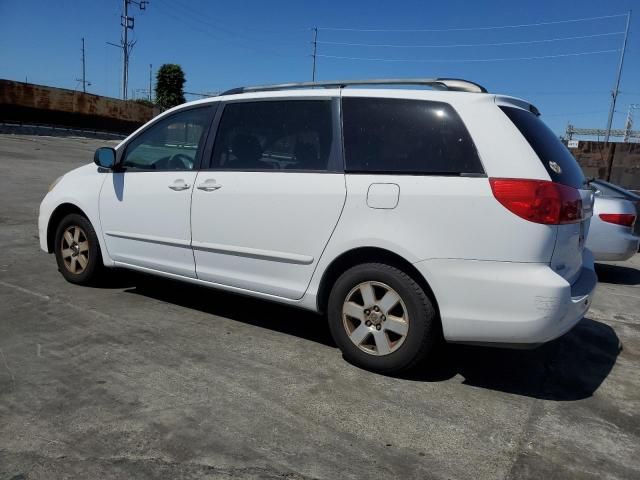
(451, 84)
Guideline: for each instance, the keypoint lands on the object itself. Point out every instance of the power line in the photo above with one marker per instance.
(198, 20)
(203, 95)
(575, 114)
(468, 60)
(209, 30)
(590, 92)
(205, 18)
(459, 45)
(470, 29)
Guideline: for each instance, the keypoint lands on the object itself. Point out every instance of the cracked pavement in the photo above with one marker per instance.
(148, 378)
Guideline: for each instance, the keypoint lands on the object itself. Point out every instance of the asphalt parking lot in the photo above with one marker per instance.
(148, 378)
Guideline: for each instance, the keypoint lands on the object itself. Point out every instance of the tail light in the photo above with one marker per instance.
(624, 219)
(539, 201)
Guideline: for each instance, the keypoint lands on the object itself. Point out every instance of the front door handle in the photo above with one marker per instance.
(179, 185)
(209, 185)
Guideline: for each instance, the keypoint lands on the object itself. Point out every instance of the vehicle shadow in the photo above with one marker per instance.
(115, 278)
(260, 313)
(569, 368)
(617, 274)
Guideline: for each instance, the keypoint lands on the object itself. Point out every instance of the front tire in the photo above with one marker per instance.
(381, 319)
(77, 250)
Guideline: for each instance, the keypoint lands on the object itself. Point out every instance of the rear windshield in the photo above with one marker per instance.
(555, 157)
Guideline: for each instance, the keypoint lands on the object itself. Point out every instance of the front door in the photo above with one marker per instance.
(265, 210)
(145, 204)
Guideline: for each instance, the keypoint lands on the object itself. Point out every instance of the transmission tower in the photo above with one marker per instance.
(629, 123)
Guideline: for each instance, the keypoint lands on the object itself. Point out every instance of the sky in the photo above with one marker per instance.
(224, 44)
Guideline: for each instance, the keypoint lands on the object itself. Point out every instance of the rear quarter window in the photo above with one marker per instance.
(402, 136)
(561, 166)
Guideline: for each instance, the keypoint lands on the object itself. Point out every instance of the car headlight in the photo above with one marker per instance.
(55, 182)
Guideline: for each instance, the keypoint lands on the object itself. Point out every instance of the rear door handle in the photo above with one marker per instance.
(179, 185)
(209, 185)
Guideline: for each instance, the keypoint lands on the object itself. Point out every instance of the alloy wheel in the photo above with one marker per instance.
(75, 249)
(375, 318)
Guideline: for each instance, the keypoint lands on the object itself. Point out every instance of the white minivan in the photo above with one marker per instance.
(406, 215)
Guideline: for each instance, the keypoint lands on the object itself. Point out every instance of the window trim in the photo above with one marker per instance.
(336, 157)
(122, 151)
(482, 174)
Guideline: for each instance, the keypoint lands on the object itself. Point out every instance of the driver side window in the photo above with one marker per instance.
(171, 144)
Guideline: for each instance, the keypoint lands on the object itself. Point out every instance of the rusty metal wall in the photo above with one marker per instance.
(594, 158)
(626, 165)
(28, 103)
(618, 163)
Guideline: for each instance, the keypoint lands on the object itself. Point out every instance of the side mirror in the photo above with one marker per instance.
(105, 157)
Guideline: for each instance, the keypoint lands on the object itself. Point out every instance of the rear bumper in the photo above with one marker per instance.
(619, 246)
(513, 304)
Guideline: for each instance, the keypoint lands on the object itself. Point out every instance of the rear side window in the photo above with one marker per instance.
(387, 135)
(274, 135)
(555, 157)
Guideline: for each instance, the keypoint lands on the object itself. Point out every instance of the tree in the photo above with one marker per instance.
(170, 85)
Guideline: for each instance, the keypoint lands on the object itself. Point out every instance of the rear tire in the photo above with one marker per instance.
(381, 319)
(77, 250)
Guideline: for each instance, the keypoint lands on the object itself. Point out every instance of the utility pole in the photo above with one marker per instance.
(83, 80)
(124, 21)
(315, 49)
(150, 84)
(614, 92)
(127, 23)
